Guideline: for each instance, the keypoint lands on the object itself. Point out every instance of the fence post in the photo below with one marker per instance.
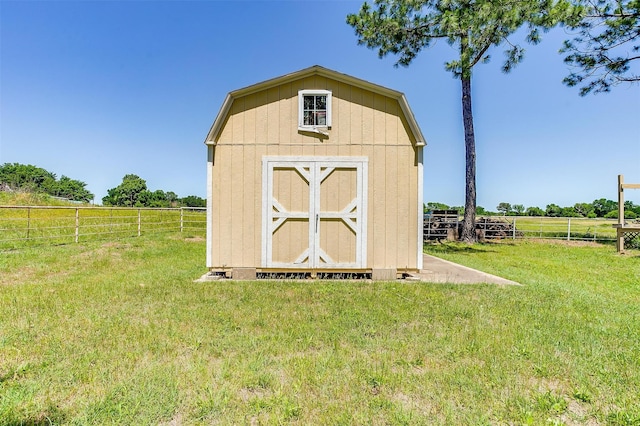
(181, 219)
(77, 224)
(569, 229)
(540, 226)
(28, 221)
(514, 228)
(139, 223)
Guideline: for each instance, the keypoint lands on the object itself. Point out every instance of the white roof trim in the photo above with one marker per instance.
(216, 127)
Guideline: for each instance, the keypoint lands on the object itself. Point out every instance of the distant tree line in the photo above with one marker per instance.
(133, 192)
(28, 178)
(602, 208)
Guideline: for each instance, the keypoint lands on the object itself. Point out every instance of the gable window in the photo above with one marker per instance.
(314, 108)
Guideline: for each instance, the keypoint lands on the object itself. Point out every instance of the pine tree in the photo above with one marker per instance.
(405, 27)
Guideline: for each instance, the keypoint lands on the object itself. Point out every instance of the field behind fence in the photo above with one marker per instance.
(526, 227)
(21, 225)
(566, 228)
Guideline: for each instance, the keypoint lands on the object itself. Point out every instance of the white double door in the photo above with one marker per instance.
(314, 212)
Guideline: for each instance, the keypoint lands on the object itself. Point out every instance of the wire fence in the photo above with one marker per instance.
(20, 225)
(564, 228)
(525, 227)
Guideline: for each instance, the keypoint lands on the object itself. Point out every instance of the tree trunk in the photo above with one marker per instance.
(469, 222)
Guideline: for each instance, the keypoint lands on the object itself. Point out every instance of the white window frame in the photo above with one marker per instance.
(316, 92)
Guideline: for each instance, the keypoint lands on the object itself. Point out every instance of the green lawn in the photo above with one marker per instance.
(558, 227)
(49, 225)
(118, 333)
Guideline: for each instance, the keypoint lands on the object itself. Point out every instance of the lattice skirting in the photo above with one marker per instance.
(632, 240)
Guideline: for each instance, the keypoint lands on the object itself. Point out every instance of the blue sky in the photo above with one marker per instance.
(98, 89)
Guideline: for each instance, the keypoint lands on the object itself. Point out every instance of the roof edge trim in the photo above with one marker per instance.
(216, 127)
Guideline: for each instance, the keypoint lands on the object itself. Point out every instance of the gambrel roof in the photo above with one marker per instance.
(316, 70)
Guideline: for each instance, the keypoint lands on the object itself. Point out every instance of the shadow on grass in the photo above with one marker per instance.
(456, 247)
(52, 416)
(633, 254)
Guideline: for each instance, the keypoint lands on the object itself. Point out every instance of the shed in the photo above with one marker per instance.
(314, 171)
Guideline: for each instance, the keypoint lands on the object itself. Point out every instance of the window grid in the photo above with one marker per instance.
(315, 110)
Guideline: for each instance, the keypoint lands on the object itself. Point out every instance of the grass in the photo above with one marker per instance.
(117, 333)
(20, 198)
(22, 225)
(551, 227)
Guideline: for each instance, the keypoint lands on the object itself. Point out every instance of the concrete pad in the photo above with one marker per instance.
(208, 277)
(244, 274)
(435, 270)
(438, 270)
(384, 274)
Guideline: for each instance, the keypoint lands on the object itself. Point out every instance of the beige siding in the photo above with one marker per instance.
(359, 117)
(363, 124)
(392, 206)
(355, 111)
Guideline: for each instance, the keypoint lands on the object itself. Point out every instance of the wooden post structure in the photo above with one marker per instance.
(621, 227)
(620, 231)
(621, 199)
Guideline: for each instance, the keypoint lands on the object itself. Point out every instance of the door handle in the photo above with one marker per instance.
(317, 219)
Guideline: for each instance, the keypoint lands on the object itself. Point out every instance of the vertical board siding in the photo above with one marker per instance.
(405, 137)
(336, 118)
(367, 119)
(249, 120)
(391, 122)
(262, 119)
(379, 120)
(226, 214)
(238, 119)
(391, 202)
(378, 224)
(403, 241)
(214, 236)
(273, 114)
(363, 124)
(359, 117)
(355, 112)
(237, 184)
(249, 208)
(236, 177)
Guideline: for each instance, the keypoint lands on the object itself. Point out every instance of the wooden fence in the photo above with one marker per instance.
(20, 225)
